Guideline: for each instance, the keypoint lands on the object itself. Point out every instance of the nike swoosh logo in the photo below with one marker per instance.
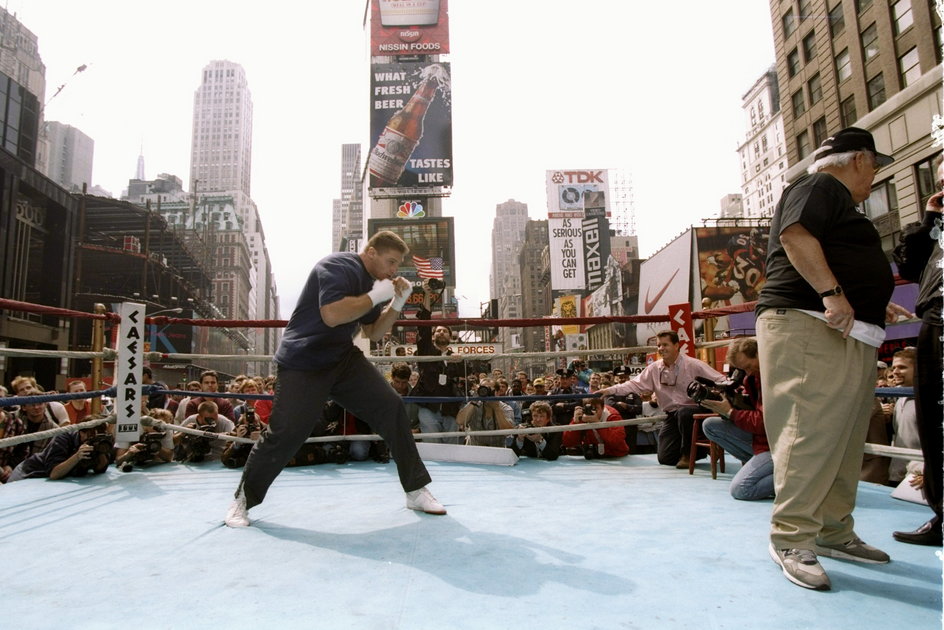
(650, 304)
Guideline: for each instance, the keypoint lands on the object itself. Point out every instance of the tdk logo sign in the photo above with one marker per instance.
(577, 177)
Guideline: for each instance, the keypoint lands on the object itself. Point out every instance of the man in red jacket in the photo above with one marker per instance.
(608, 442)
(741, 432)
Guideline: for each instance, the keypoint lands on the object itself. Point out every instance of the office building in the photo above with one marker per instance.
(868, 64)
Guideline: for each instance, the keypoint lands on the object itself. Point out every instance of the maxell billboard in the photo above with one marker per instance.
(409, 27)
(410, 125)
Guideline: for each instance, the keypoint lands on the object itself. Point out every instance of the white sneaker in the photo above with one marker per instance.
(422, 500)
(237, 515)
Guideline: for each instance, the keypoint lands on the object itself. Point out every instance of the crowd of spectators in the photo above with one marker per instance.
(620, 395)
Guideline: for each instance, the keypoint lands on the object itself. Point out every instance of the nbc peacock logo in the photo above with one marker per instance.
(411, 210)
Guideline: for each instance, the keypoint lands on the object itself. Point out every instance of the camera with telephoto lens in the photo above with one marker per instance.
(593, 451)
(706, 389)
(237, 453)
(435, 284)
(337, 452)
(152, 446)
(484, 391)
(195, 448)
(103, 453)
(589, 410)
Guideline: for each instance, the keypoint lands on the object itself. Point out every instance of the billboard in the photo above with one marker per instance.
(565, 238)
(732, 269)
(410, 125)
(664, 279)
(432, 247)
(732, 265)
(409, 27)
(570, 192)
(596, 250)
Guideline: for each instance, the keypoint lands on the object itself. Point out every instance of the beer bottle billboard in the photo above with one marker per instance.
(413, 145)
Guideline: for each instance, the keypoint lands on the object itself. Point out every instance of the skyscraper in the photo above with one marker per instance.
(221, 147)
(348, 211)
(221, 166)
(764, 152)
(69, 156)
(874, 65)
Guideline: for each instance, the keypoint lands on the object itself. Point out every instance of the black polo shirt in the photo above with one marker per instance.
(851, 244)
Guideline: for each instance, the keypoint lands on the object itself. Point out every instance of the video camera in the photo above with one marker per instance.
(195, 448)
(152, 446)
(703, 388)
(103, 453)
(237, 453)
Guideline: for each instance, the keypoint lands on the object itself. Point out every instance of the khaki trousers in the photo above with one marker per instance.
(818, 391)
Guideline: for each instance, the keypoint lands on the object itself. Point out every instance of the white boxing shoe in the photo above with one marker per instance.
(422, 500)
(238, 514)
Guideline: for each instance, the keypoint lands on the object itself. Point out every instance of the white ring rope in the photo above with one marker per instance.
(107, 354)
(894, 452)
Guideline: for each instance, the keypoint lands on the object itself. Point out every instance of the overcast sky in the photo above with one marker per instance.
(651, 87)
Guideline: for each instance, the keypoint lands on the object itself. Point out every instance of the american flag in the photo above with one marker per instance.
(429, 267)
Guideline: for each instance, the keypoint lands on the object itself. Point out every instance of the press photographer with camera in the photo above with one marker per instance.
(485, 415)
(596, 443)
(740, 428)
(538, 445)
(199, 448)
(249, 426)
(436, 378)
(668, 378)
(74, 454)
(153, 446)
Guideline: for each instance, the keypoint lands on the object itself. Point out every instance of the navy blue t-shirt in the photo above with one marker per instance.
(308, 343)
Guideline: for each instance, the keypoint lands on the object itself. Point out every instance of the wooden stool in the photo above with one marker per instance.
(715, 452)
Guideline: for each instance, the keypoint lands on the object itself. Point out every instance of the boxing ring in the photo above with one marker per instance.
(574, 543)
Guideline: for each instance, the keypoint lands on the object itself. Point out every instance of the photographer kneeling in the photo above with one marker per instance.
(199, 448)
(538, 445)
(741, 431)
(596, 443)
(69, 455)
(248, 426)
(152, 446)
(485, 415)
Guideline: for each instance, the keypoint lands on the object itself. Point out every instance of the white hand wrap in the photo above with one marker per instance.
(399, 301)
(382, 291)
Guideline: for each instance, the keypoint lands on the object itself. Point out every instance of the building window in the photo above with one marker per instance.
(884, 199)
(870, 41)
(937, 43)
(901, 16)
(803, 144)
(926, 179)
(876, 90)
(908, 69)
(843, 66)
(799, 104)
(805, 12)
(816, 89)
(809, 47)
(862, 5)
(793, 62)
(819, 131)
(789, 23)
(847, 112)
(837, 23)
